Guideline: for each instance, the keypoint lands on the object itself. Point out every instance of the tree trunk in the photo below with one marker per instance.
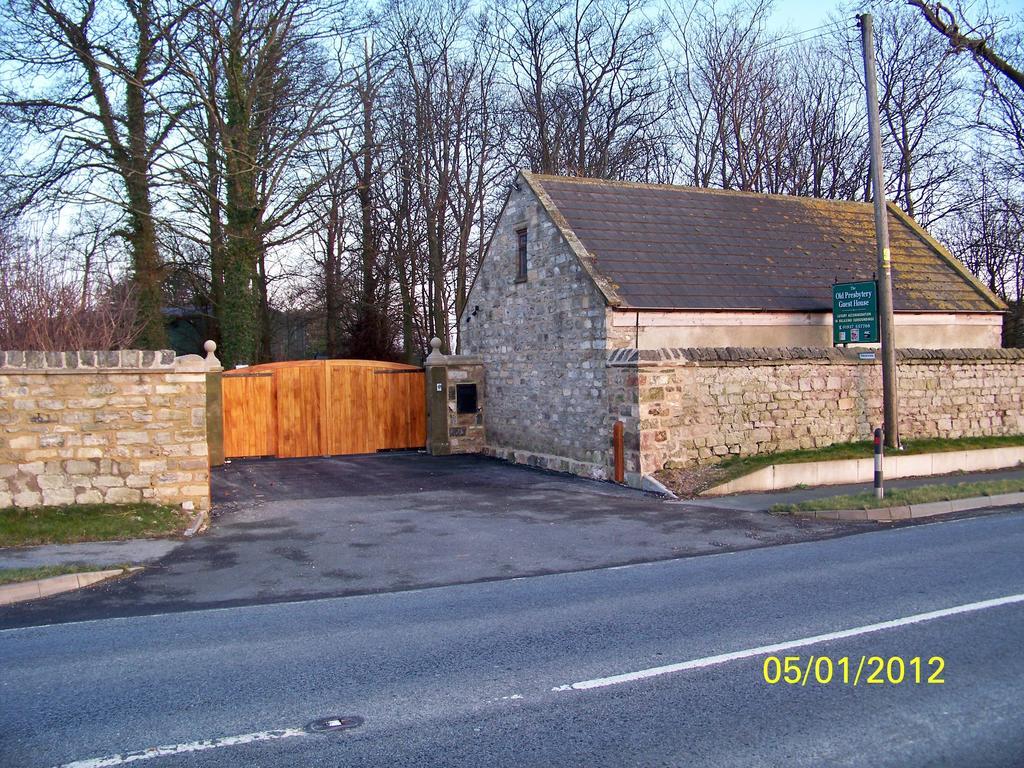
(213, 196)
(147, 269)
(240, 318)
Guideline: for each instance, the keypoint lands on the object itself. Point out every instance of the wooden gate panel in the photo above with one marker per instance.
(401, 409)
(318, 408)
(250, 415)
(299, 410)
(351, 426)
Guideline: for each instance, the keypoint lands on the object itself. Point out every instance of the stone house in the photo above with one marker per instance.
(586, 282)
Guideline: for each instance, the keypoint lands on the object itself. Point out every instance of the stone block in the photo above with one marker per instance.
(123, 495)
(59, 497)
(24, 442)
(80, 466)
(138, 481)
(108, 359)
(51, 441)
(51, 482)
(27, 498)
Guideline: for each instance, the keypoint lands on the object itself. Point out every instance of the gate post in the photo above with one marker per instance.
(455, 403)
(214, 407)
(437, 401)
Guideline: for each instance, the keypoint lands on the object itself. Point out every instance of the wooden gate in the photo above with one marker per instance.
(323, 408)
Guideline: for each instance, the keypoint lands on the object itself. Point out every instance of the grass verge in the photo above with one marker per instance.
(88, 522)
(18, 575)
(744, 465)
(900, 497)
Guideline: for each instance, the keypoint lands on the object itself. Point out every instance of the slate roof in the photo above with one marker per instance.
(655, 246)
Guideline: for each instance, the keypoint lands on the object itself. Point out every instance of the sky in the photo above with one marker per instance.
(803, 14)
(806, 14)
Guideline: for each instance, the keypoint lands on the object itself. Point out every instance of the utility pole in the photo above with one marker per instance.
(885, 318)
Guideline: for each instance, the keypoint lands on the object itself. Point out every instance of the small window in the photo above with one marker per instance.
(521, 256)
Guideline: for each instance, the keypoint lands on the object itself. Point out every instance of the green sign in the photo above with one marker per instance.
(855, 313)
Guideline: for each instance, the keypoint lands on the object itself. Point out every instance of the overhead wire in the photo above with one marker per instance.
(824, 30)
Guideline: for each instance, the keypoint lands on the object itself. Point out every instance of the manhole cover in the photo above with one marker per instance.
(337, 723)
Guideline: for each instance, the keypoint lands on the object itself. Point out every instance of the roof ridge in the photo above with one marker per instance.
(542, 177)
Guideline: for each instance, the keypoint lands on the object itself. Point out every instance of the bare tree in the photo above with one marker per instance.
(828, 127)
(997, 48)
(443, 88)
(370, 336)
(85, 81)
(586, 75)
(403, 239)
(732, 111)
(988, 237)
(977, 39)
(42, 309)
(268, 87)
(921, 104)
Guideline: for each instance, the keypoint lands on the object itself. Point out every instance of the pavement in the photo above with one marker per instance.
(299, 529)
(54, 585)
(136, 551)
(651, 664)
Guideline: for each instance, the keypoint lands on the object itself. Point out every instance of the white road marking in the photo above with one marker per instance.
(180, 749)
(710, 661)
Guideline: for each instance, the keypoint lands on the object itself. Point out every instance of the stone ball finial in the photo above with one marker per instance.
(211, 359)
(435, 357)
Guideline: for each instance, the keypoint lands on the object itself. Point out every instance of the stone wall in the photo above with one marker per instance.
(695, 406)
(92, 427)
(465, 430)
(542, 341)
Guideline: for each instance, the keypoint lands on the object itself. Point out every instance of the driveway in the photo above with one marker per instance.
(297, 529)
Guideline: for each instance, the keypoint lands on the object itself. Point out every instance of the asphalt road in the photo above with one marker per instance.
(297, 529)
(482, 674)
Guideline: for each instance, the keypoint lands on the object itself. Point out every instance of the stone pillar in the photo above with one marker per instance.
(214, 406)
(455, 403)
(437, 401)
